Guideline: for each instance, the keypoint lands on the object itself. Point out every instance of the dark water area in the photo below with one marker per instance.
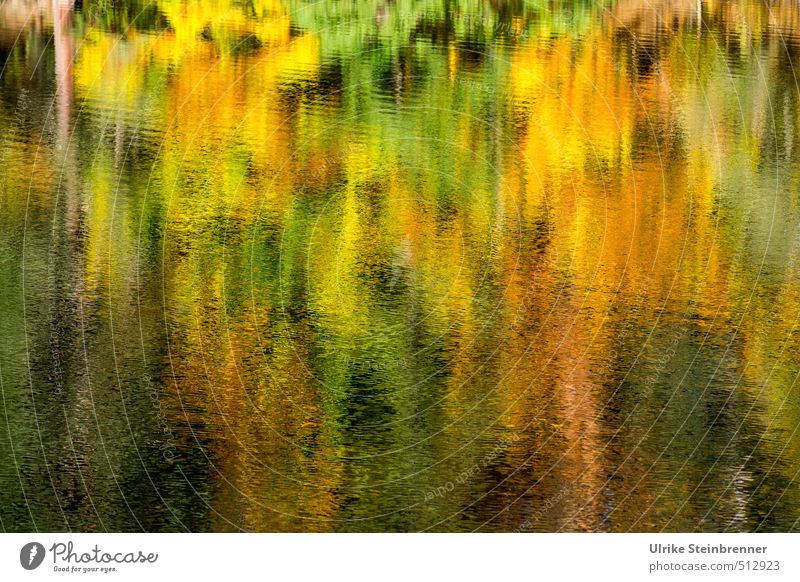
(399, 265)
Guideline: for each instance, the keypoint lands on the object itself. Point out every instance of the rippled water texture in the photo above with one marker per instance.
(399, 265)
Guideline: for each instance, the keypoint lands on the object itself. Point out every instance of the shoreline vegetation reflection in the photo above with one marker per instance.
(410, 265)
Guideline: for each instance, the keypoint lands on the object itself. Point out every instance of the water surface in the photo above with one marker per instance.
(401, 265)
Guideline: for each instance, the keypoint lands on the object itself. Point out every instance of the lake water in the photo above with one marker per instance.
(380, 265)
